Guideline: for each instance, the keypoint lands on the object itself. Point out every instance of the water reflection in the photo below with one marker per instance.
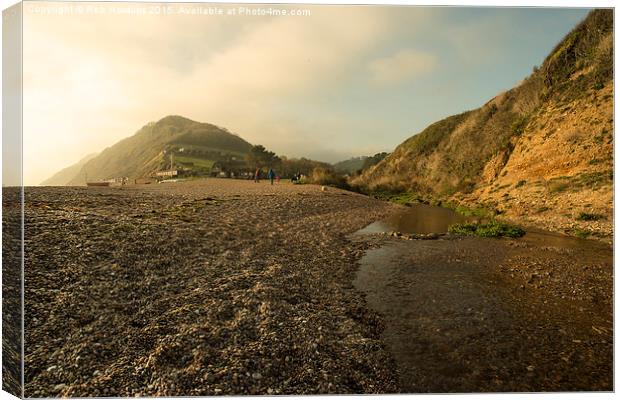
(422, 218)
(419, 218)
(552, 239)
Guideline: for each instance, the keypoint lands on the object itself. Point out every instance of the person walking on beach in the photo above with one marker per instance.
(257, 175)
(271, 175)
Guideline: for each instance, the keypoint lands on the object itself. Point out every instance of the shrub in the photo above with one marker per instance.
(406, 199)
(324, 176)
(520, 183)
(518, 125)
(403, 198)
(589, 217)
(487, 229)
(581, 234)
(593, 179)
(557, 187)
(466, 186)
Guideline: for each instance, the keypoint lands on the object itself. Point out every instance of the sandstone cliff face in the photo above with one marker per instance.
(560, 172)
(540, 153)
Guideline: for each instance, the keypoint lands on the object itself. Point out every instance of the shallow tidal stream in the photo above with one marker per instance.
(480, 314)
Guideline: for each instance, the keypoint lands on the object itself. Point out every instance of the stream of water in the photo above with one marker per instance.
(453, 323)
(422, 218)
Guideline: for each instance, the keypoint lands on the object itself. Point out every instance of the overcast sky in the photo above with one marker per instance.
(340, 82)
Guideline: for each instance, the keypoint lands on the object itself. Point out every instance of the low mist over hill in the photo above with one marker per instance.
(541, 151)
(65, 175)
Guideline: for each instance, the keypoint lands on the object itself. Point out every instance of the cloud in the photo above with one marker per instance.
(328, 84)
(91, 80)
(401, 67)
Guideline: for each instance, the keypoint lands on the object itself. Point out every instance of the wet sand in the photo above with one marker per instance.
(199, 288)
(493, 315)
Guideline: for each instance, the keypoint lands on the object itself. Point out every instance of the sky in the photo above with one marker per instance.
(331, 83)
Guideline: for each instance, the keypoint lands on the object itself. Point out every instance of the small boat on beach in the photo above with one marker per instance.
(97, 183)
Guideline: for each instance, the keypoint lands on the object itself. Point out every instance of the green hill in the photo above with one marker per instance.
(541, 152)
(173, 140)
(351, 165)
(356, 165)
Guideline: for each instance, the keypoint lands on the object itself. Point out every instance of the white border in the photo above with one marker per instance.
(484, 3)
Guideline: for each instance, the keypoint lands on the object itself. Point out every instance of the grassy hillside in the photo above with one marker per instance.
(540, 152)
(356, 165)
(150, 150)
(351, 165)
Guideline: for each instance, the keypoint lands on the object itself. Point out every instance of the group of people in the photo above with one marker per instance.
(271, 175)
(296, 178)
